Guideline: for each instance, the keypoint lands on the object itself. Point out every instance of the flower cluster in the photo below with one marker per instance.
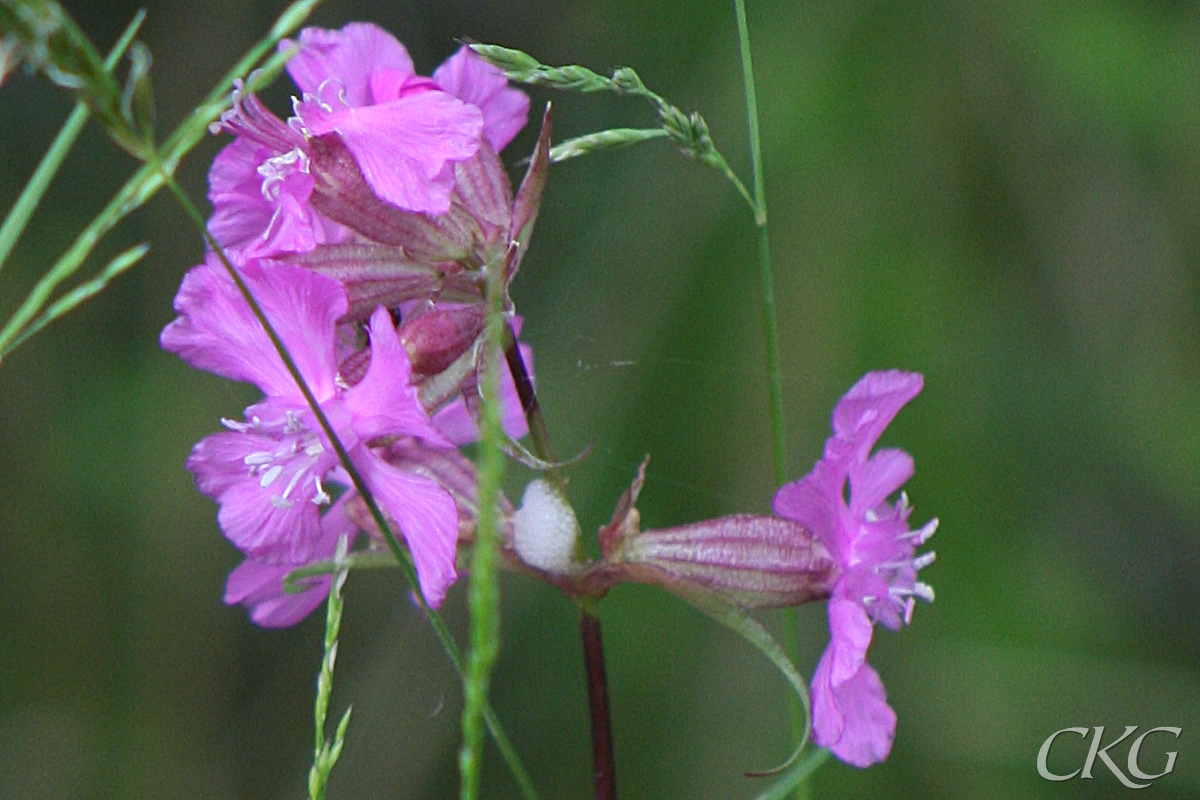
(366, 227)
(362, 226)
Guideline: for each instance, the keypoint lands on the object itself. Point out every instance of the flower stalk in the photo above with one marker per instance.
(603, 761)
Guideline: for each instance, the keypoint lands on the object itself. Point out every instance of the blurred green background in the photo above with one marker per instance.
(1000, 195)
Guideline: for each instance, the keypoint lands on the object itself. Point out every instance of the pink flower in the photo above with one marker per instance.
(361, 97)
(268, 472)
(259, 585)
(870, 539)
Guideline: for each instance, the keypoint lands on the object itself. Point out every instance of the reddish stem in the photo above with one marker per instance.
(603, 764)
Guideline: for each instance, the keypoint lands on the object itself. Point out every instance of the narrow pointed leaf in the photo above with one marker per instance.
(529, 195)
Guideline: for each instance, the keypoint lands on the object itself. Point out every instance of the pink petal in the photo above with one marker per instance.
(850, 712)
(871, 404)
(405, 148)
(217, 331)
(849, 637)
(259, 585)
(472, 80)
(384, 403)
(240, 212)
(426, 515)
(218, 461)
(349, 56)
(853, 719)
(880, 477)
(252, 516)
(254, 216)
(815, 501)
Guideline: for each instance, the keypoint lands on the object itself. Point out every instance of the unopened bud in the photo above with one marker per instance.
(751, 561)
(436, 336)
(544, 529)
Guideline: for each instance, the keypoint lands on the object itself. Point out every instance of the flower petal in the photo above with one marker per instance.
(259, 585)
(853, 720)
(456, 423)
(851, 716)
(240, 212)
(384, 403)
(472, 80)
(880, 477)
(217, 331)
(405, 148)
(849, 637)
(426, 515)
(871, 404)
(254, 517)
(349, 56)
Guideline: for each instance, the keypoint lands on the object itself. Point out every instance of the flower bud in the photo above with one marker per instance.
(435, 336)
(751, 561)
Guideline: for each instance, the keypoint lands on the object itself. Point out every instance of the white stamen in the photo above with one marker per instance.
(300, 473)
(259, 458)
(321, 497)
(923, 534)
(314, 449)
(292, 425)
(270, 475)
(281, 502)
(924, 560)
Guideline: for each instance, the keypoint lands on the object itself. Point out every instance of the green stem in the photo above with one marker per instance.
(770, 331)
(770, 339)
(402, 556)
(39, 182)
(483, 599)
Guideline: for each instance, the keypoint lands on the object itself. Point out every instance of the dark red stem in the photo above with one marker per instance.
(603, 764)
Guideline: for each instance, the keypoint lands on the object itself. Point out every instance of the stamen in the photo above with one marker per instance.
(292, 424)
(270, 475)
(257, 459)
(341, 94)
(282, 503)
(923, 534)
(295, 479)
(321, 497)
(924, 560)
